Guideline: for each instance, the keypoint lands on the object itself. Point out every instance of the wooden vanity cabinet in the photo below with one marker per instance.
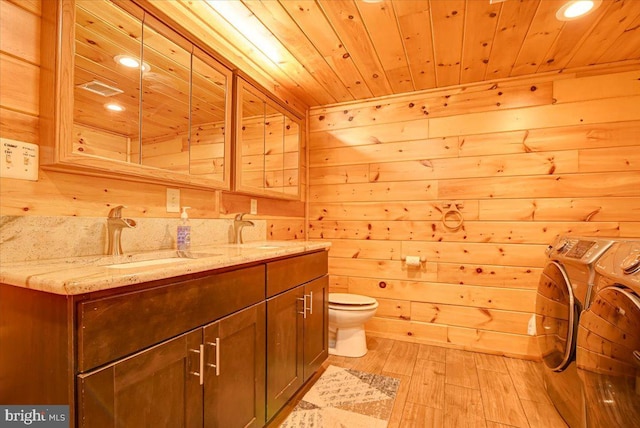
(234, 382)
(297, 325)
(156, 387)
(225, 348)
(316, 326)
(188, 353)
(285, 348)
(209, 377)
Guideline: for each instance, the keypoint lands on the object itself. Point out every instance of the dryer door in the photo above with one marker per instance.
(608, 358)
(556, 316)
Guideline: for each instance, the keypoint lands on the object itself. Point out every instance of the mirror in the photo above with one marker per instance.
(273, 148)
(106, 93)
(268, 142)
(250, 139)
(209, 117)
(291, 158)
(166, 89)
(144, 95)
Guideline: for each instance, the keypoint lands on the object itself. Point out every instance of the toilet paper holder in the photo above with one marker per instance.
(423, 259)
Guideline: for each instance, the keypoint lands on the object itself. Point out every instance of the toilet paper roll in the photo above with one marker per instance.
(413, 261)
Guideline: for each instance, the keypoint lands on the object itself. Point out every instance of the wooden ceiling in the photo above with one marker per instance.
(331, 51)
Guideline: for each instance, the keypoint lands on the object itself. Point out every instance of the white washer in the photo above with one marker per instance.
(608, 344)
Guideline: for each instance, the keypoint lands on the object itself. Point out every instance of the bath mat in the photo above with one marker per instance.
(345, 398)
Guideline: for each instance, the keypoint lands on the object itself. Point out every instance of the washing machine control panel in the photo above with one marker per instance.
(579, 249)
(583, 250)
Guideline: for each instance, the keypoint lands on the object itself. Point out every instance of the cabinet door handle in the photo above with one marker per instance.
(217, 364)
(200, 372)
(310, 302)
(304, 306)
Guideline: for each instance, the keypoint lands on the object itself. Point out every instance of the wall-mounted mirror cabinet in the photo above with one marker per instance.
(268, 145)
(127, 96)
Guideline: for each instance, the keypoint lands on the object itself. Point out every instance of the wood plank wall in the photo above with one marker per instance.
(58, 194)
(528, 159)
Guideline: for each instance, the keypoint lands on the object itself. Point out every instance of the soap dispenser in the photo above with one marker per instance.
(184, 231)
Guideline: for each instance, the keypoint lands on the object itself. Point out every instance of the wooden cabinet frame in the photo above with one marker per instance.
(97, 344)
(56, 107)
(297, 325)
(240, 184)
(222, 388)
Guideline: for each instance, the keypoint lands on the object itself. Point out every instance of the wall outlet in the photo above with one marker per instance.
(173, 200)
(254, 206)
(531, 328)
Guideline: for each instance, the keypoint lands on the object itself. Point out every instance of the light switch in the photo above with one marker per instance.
(19, 160)
(173, 200)
(254, 207)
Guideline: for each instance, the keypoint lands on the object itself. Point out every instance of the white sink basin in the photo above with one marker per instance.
(144, 263)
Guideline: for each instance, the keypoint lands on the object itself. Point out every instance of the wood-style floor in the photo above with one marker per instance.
(442, 387)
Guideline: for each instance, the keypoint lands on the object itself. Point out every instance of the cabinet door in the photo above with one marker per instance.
(210, 145)
(130, 97)
(268, 145)
(284, 348)
(234, 378)
(316, 325)
(158, 387)
(165, 100)
(106, 81)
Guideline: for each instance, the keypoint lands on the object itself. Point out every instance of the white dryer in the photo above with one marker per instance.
(608, 343)
(563, 293)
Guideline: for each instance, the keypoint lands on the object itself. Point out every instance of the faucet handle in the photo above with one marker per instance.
(239, 216)
(116, 212)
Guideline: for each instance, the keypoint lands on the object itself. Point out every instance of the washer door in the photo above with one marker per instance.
(608, 358)
(556, 316)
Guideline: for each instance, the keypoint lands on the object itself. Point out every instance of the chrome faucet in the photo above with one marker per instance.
(115, 224)
(238, 224)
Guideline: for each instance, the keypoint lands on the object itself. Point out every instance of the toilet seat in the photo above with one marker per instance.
(351, 302)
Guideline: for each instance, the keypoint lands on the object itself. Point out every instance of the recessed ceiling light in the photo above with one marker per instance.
(576, 8)
(372, 1)
(114, 107)
(131, 62)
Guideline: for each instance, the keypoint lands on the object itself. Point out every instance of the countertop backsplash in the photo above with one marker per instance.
(29, 238)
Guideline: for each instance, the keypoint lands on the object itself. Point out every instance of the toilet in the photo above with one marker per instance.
(347, 315)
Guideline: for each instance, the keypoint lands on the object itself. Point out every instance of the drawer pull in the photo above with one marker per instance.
(310, 302)
(200, 372)
(217, 364)
(304, 306)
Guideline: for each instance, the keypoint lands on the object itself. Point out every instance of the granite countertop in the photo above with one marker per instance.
(77, 275)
